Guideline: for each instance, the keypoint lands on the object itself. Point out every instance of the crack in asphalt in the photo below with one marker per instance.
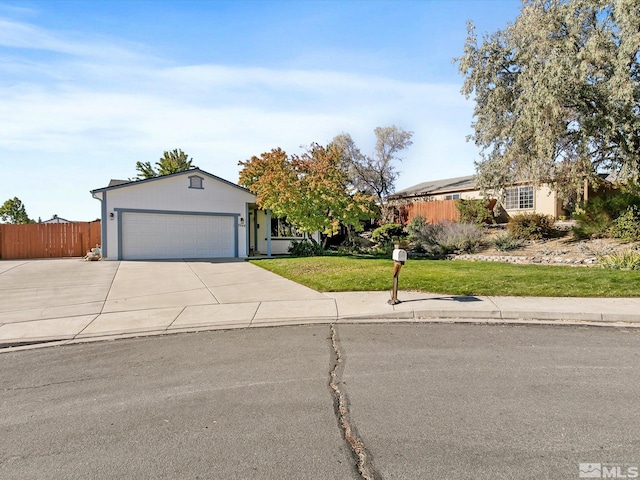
(363, 459)
(44, 385)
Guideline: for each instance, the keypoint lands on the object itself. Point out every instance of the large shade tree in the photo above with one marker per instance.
(374, 174)
(557, 94)
(170, 162)
(310, 190)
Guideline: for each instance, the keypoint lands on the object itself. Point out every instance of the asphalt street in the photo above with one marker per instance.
(426, 401)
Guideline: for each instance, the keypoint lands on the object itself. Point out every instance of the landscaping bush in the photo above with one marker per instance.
(460, 238)
(531, 226)
(627, 226)
(506, 242)
(444, 238)
(305, 248)
(426, 239)
(383, 250)
(596, 218)
(385, 234)
(416, 224)
(413, 229)
(628, 260)
(474, 211)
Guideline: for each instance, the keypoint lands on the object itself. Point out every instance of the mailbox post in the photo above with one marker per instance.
(399, 257)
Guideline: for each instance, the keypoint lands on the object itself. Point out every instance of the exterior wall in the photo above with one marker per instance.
(545, 202)
(278, 246)
(172, 194)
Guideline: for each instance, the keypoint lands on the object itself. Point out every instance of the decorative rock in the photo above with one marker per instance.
(522, 259)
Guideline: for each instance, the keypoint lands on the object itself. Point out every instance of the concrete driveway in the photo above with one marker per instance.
(100, 299)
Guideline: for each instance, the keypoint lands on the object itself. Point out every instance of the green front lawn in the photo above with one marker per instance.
(344, 274)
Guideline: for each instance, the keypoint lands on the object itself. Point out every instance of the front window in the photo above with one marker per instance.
(280, 228)
(519, 198)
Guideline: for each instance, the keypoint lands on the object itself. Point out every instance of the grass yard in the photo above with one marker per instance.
(343, 274)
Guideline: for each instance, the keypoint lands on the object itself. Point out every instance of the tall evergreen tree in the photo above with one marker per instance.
(170, 162)
(14, 211)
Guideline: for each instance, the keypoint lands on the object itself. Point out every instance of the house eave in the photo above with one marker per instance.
(190, 172)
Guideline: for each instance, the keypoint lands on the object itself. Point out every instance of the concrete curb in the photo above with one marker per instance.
(62, 302)
(404, 316)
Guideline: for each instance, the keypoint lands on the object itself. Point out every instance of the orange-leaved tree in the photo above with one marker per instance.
(310, 190)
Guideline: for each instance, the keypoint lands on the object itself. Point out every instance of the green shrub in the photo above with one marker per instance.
(386, 233)
(444, 238)
(627, 226)
(383, 250)
(628, 260)
(416, 224)
(506, 242)
(349, 250)
(531, 226)
(596, 218)
(305, 248)
(474, 211)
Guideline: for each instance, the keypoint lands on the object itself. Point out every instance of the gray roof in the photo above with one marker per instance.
(57, 219)
(438, 186)
(125, 183)
(114, 182)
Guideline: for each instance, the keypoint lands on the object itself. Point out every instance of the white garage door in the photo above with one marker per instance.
(160, 235)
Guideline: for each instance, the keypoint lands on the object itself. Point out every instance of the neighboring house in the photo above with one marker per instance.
(56, 219)
(190, 214)
(417, 200)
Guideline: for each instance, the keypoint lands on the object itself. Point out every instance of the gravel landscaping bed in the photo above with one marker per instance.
(564, 250)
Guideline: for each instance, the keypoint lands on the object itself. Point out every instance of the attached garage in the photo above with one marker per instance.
(190, 214)
(183, 235)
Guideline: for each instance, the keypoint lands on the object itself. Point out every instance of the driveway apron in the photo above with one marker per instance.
(65, 299)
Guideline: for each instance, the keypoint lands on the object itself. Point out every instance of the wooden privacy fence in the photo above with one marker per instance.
(48, 240)
(434, 212)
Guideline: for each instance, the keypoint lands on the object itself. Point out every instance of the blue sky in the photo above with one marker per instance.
(87, 88)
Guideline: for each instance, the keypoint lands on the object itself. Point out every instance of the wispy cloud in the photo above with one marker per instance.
(19, 35)
(100, 105)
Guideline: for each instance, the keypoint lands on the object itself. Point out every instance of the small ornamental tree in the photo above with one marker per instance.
(310, 190)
